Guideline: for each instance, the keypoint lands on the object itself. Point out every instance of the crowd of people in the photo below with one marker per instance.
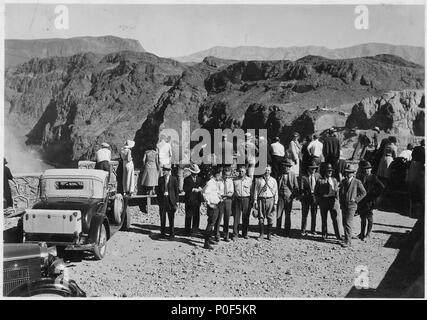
(313, 172)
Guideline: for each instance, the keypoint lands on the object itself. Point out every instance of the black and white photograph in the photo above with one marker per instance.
(213, 150)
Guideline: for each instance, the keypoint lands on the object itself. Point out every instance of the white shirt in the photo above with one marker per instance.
(315, 148)
(165, 152)
(312, 180)
(407, 154)
(103, 154)
(242, 186)
(278, 149)
(212, 192)
(229, 187)
(270, 191)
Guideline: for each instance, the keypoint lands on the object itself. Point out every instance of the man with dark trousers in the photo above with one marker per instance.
(226, 207)
(242, 195)
(365, 207)
(167, 195)
(350, 194)
(288, 189)
(212, 193)
(193, 185)
(326, 192)
(308, 198)
(331, 148)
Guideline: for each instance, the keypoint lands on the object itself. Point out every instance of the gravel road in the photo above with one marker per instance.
(140, 264)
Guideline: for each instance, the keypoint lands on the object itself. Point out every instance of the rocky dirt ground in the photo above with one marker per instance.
(140, 264)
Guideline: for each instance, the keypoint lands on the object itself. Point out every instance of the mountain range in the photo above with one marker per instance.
(410, 53)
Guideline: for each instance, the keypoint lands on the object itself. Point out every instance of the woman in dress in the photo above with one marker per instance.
(294, 153)
(389, 154)
(150, 176)
(128, 168)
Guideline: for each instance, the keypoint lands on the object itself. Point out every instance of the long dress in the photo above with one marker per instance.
(294, 153)
(150, 176)
(128, 170)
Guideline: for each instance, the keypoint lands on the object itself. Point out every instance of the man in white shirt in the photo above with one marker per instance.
(265, 200)
(277, 156)
(315, 149)
(212, 193)
(103, 157)
(165, 151)
(242, 194)
(407, 154)
(227, 188)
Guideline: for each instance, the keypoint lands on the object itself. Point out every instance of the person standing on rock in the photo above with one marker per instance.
(277, 157)
(288, 190)
(242, 195)
(7, 192)
(128, 167)
(294, 153)
(326, 192)
(351, 192)
(266, 198)
(308, 198)
(365, 207)
(331, 148)
(315, 148)
(193, 186)
(150, 175)
(164, 150)
(212, 193)
(103, 157)
(168, 196)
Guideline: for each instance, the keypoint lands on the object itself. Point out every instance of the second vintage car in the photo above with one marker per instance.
(78, 210)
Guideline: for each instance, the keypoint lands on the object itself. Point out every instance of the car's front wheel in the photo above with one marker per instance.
(101, 245)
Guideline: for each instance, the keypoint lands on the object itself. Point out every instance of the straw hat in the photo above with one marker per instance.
(350, 168)
(167, 166)
(129, 144)
(105, 145)
(194, 168)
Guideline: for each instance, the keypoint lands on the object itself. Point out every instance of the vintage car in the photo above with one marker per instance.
(78, 210)
(34, 270)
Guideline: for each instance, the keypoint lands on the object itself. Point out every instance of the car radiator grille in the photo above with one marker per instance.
(19, 272)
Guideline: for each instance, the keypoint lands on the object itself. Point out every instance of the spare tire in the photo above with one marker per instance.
(118, 207)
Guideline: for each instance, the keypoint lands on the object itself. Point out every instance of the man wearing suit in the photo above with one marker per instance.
(350, 194)
(167, 195)
(308, 198)
(326, 192)
(193, 185)
(288, 188)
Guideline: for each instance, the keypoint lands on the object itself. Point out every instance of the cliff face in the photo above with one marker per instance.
(20, 51)
(67, 106)
(400, 113)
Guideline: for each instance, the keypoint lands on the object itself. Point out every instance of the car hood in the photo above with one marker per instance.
(20, 251)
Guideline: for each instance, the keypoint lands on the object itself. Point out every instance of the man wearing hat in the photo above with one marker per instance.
(168, 196)
(365, 207)
(288, 189)
(326, 192)
(350, 194)
(242, 194)
(193, 186)
(266, 198)
(308, 198)
(103, 157)
(331, 148)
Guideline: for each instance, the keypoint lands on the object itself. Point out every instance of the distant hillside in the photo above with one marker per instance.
(20, 51)
(410, 53)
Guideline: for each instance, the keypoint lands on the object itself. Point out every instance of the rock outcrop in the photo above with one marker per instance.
(400, 113)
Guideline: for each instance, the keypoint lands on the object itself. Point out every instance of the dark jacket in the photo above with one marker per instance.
(7, 193)
(373, 187)
(289, 190)
(305, 189)
(324, 190)
(172, 188)
(331, 147)
(351, 193)
(192, 198)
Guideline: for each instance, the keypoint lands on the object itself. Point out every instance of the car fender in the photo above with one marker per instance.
(96, 222)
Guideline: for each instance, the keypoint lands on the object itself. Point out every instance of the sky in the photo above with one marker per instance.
(178, 30)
